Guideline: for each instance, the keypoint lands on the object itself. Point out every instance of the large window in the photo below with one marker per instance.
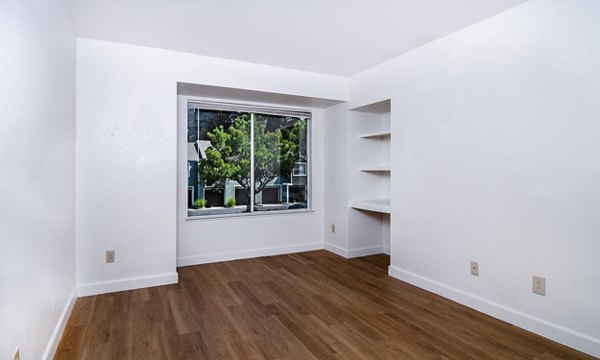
(246, 160)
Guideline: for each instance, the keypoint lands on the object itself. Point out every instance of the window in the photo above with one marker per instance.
(299, 169)
(246, 160)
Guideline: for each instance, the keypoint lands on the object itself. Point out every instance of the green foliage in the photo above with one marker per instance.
(199, 203)
(228, 157)
(230, 202)
(276, 150)
(291, 138)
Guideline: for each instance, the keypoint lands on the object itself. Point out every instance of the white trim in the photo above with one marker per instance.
(352, 253)
(245, 254)
(248, 215)
(338, 250)
(558, 333)
(104, 287)
(309, 166)
(252, 199)
(202, 103)
(366, 251)
(386, 249)
(60, 326)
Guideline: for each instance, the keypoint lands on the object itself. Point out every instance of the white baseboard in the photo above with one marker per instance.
(245, 254)
(366, 251)
(126, 284)
(386, 249)
(560, 334)
(338, 250)
(352, 253)
(60, 327)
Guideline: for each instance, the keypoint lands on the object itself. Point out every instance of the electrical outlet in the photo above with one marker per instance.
(333, 228)
(474, 268)
(17, 355)
(110, 256)
(539, 285)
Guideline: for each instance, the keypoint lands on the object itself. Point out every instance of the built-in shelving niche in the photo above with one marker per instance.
(370, 183)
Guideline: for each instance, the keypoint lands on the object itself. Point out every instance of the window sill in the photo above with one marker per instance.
(249, 215)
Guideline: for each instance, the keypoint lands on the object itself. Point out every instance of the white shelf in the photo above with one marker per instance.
(378, 168)
(380, 107)
(376, 134)
(376, 205)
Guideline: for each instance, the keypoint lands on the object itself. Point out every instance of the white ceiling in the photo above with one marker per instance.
(340, 37)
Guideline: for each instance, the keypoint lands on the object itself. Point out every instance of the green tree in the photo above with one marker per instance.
(276, 150)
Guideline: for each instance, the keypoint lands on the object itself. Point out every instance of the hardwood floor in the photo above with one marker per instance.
(312, 305)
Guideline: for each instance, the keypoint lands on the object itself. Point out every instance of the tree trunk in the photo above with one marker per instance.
(250, 201)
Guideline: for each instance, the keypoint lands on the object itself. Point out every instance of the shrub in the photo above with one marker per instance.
(199, 203)
(230, 202)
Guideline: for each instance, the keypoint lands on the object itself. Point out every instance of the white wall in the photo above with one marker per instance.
(495, 157)
(127, 159)
(336, 184)
(37, 178)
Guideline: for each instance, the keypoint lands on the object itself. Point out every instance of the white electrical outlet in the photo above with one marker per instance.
(539, 285)
(333, 228)
(17, 355)
(474, 268)
(110, 256)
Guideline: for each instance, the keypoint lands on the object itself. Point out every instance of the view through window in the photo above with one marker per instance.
(242, 161)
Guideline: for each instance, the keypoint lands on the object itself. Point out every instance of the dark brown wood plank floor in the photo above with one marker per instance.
(312, 305)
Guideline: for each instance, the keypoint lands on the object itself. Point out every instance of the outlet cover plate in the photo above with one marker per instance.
(110, 256)
(474, 268)
(539, 285)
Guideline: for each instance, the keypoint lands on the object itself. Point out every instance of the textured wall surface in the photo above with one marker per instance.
(37, 175)
(127, 162)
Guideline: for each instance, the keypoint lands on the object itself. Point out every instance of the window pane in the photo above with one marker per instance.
(280, 162)
(218, 151)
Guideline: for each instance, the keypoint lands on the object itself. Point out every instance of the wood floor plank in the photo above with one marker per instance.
(313, 305)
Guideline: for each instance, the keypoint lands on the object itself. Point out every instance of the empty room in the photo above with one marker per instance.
(394, 179)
